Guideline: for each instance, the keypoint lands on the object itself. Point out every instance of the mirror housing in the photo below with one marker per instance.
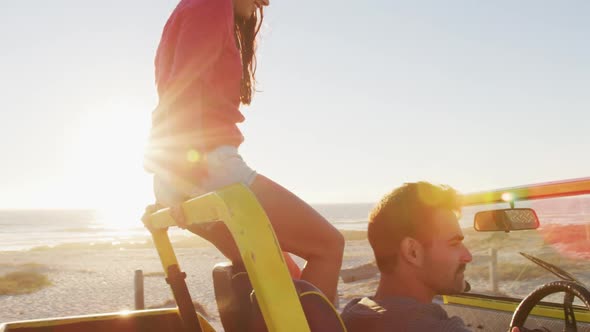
(506, 220)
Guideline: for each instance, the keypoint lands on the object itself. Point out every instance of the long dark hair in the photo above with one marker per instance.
(246, 30)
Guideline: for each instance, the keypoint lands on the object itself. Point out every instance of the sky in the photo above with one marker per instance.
(355, 98)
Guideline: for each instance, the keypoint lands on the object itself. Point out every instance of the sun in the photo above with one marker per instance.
(108, 153)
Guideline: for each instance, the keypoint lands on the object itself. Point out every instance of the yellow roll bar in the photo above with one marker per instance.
(563, 188)
(539, 310)
(535, 191)
(239, 209)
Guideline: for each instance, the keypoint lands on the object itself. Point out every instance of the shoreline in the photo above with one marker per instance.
(182, 239)
(93, 279)
(99, 279)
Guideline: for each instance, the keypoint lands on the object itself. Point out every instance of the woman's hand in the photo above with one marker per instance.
(175, 211)
(147, 213)
(178, 216)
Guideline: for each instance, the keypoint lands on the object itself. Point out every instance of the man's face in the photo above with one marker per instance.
(446, 256)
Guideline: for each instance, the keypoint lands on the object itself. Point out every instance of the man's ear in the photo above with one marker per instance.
(412, 251)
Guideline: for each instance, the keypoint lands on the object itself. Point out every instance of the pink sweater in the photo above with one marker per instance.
(198, 73)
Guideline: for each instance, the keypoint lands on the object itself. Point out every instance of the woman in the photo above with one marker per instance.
(205, 67)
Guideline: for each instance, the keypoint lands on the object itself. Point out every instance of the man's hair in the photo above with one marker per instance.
(406, 212)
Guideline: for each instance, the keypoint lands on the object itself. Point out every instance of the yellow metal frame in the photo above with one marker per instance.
(205, 326)
(529, 192)
(535, 191)
(320, 294)
(502, 305)
(239, 209)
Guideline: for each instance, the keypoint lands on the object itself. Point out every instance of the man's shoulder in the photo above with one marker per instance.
(363, 314)
(398, 312)
(362, 306)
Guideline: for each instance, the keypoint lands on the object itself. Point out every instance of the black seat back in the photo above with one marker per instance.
(239, 311)
(232, 293)
(361, 324)
(320, 313)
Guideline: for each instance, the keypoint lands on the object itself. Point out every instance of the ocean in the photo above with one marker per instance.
(39, 229)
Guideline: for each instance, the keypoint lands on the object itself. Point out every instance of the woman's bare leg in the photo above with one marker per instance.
(299, 228)
(304, 232)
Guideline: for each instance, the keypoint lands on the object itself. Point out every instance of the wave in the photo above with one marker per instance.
(100, 229)
(348, 224)
(113, 243)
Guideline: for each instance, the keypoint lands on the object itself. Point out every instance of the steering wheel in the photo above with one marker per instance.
(570, 288)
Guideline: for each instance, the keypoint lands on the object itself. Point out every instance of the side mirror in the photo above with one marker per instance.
(506, 220)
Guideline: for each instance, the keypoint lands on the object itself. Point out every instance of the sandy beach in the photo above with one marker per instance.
(92, 279)
(100, 280)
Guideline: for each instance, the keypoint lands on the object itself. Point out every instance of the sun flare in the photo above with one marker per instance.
(108, 153)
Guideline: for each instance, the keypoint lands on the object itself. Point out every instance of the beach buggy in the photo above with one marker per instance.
(521, 257)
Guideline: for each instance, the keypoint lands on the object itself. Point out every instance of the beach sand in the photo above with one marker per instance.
(92, 279)
(100, 280)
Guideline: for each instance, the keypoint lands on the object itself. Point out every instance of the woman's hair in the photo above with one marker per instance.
(246, 30)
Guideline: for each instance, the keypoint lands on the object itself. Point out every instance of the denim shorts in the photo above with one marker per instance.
(225, 166)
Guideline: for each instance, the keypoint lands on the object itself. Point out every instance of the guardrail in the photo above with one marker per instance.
(491, 257)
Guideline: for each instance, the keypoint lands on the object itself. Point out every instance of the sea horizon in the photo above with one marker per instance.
(42, 228)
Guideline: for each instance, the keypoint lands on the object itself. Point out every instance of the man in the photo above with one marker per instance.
(418, 245)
